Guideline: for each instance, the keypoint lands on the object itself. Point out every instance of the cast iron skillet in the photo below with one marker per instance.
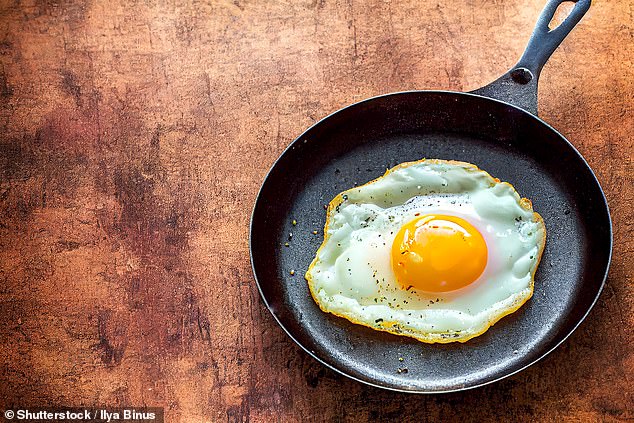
(497, 129)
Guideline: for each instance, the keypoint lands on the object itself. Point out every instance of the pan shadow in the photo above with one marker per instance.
(553, 387)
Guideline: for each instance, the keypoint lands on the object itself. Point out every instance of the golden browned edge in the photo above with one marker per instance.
(525, 203)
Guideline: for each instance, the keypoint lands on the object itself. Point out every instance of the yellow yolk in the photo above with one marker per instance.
(438, 253)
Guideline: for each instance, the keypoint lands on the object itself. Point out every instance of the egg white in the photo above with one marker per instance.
(352, 277)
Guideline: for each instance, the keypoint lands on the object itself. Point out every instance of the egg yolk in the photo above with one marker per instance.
(438, 253)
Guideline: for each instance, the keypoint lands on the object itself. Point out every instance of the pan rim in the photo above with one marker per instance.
(464, 387)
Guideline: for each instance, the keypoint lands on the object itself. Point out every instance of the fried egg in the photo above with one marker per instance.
(435, 250)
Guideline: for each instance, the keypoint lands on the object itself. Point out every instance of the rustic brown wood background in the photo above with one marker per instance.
(135, 136)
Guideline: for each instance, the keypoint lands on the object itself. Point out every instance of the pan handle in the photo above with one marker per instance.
(519, 85)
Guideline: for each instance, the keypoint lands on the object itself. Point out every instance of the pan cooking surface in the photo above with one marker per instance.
(357, 145)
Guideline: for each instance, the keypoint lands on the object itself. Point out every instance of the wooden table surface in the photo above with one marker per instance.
(135, 136)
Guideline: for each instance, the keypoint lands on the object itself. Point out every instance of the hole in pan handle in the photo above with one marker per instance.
(519, 85)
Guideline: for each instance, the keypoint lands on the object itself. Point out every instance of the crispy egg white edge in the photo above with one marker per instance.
(501, 309)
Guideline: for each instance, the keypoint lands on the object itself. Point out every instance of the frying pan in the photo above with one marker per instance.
(496, 128)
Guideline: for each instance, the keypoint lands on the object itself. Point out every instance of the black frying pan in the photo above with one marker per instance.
(497, 129)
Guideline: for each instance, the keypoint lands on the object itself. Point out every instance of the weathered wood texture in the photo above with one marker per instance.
(135, 136)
